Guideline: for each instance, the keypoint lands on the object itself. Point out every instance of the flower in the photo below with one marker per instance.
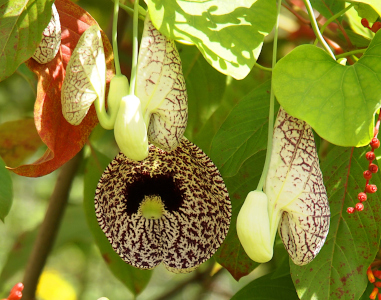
(297, 202)
(172, 207)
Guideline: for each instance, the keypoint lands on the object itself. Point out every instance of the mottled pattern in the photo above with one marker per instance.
(85, 77)
(295, 188)
(161, 88)
(182, 238)
(51, 40)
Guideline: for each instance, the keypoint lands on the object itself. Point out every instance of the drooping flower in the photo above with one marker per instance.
(51, 40)
(297, 202)
(171, 207)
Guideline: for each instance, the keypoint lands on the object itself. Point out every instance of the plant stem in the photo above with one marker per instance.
(115, 37)
(49, 227)
(315, 28)
(134, 48)
(331, 19)
(257, 65)
(350, 53)
(130, 10)
(271, 109)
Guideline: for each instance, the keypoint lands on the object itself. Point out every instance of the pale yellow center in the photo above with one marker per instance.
(151, 207)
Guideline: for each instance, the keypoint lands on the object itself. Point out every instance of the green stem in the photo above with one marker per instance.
(315, 28)
(142, 11)
(115, 37)
(333, 18)
(271, 110)
(257, 65)
(357, 51)
(134, 48)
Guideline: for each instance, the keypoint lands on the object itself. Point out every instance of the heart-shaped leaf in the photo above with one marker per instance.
(339, 270)
(22, 24)
(308, 80)
(228, 33)
(63, 140)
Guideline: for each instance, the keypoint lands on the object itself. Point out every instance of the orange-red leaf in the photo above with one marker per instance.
(63, 140)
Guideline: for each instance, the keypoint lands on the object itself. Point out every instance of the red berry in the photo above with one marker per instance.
(370, 156)
(17, 287)
(376, 26)
(350, 210)
(371, 188)
(362, 197)
(359, 206)
(16, 295)
(375, 143)
(373, 168)
(365, 23)
(367, 174)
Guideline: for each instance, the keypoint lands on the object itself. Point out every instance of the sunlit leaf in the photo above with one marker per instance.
(376, 4)
(266, 288)
(63, 140)
(229, 34)
(19, 140)
(22, 24)
(339, 270)
(6, 191)
(133, 278)
(338, 101)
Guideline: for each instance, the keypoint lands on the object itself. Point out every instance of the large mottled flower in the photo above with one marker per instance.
(172, 207)
(295, 200)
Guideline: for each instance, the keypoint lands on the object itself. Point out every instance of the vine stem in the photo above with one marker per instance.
(115, 37)
(49, 227)
(315, 28)
(134, 47)
(357, 51)
(271, 110)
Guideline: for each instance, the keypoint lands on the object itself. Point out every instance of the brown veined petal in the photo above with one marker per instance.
(161, 87)
(51, 40)
(295, 189)
(196, 214)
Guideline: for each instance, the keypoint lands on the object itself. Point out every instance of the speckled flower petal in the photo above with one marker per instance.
(85, 78)
(161, 88)
(295, 188)
(196, 215)
(51, 40)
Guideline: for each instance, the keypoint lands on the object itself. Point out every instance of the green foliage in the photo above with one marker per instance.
(6, 191)
(308, 80)
(22, 24)
(228, 34)
(367, 12)
(373, 3)
(328, 7)
(134, 279)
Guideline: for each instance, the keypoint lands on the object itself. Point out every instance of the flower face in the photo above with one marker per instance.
(172, 207)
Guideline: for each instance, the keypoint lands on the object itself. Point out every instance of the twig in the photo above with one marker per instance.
(49, 227)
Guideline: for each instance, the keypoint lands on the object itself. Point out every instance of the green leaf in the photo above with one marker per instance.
(354, 21)
(229, 34)
(376, 4)
(266, 288)
(339, 270)
(243, 133)
(328, 7)
(134, 279)
(22, 23)
(338, 101)
(6, 191)
(366, 11)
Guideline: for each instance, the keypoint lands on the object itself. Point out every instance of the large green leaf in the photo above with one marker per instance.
(134, 279)
(6, 191)
(228, 33)
(243, 133)
(376, 4)
(267, 288)
(339, 270)
(22, 23)
(338, 101)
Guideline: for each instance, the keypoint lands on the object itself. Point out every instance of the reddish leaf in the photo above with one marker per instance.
(63, 140)
(19, 140)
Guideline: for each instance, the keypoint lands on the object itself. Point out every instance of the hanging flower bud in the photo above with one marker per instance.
(130, 130)
(85, 78)
(161, 88)
(51, 40)
(297, 200)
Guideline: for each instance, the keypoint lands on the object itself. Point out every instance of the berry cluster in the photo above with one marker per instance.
(16, 292)
(372, 275)
(372, 168)
(375, 27)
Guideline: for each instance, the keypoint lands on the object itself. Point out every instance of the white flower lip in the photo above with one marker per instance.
(160, 86)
